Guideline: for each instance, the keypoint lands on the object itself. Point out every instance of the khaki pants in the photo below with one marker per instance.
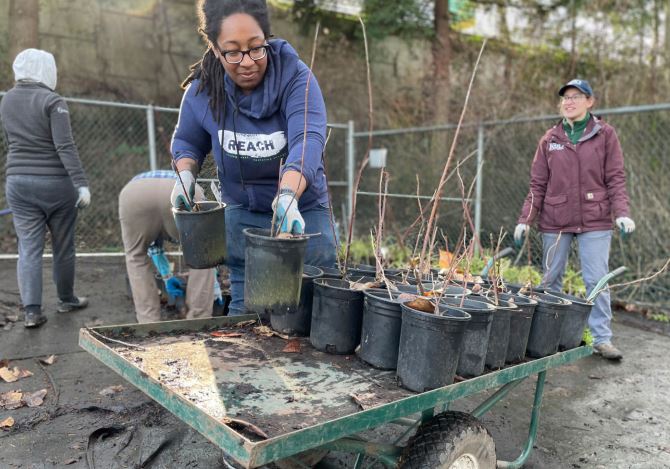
(145, 215)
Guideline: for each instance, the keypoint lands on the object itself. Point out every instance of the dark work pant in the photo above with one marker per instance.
(39, 203)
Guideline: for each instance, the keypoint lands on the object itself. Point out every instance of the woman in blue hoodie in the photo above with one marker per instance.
(246, 102)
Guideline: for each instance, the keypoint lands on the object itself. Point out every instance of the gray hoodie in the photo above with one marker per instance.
(36, 122)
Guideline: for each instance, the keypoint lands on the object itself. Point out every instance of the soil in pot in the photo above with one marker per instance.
(337, 313)
(545, 330)
(202, 235)
(380, 333)
(429, 347)
(273, 274)
(476, 336)
(575, 320)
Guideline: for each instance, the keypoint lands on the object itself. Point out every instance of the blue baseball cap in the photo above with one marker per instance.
(581, 85)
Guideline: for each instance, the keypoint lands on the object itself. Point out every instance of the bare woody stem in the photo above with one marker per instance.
(364, 163)
(425, 254)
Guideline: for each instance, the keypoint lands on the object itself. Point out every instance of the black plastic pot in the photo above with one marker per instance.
(331, 272)
(362, 270)
(476, 336)
(520, 321)
(380, 334)
(202, 235)
(358, 278)
(575, 320)
(299, 323)
(545, 330)
(337, 313)
(429, 348)
(273, 277)
(500, 332)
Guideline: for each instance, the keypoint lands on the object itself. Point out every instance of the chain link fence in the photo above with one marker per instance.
(117, 141)
(504, 151)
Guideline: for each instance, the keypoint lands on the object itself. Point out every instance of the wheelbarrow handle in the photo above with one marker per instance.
(600, 286)
(505, 252)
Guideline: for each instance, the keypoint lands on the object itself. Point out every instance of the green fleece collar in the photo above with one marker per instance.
(576, 130)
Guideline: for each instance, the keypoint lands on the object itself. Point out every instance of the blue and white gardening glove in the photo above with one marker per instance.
(178, 197)
(626, 225)
(157, 255)
(174, 286)
(84, 199)
(519, 233)
(286, 211)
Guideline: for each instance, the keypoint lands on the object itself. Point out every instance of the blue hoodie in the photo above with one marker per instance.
(267, 126)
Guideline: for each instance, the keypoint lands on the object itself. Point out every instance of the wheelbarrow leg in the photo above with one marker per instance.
(532, 431)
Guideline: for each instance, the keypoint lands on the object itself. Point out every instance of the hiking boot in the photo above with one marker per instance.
(34, 317)
(608, 351)
(72, 305)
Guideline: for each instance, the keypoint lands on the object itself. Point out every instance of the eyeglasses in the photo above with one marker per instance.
(237, 56)
(573, 98)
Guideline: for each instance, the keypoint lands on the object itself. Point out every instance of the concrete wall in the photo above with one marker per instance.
(140, 51)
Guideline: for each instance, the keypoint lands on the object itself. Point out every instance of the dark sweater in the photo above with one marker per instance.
(36, 122)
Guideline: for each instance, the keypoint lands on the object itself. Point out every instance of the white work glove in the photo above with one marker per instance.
(178, 198)
(286, 211)
(84, 199)
(625, 224)
(519, 233)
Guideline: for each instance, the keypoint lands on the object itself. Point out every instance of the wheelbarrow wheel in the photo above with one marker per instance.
(451, 440)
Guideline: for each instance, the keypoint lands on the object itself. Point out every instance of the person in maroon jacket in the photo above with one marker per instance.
(577, 189)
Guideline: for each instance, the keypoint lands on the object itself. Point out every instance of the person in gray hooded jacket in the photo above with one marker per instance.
(46, 184)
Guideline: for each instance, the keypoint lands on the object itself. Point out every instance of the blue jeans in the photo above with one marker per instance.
(320, 251)
(594, 251)
(39, 203)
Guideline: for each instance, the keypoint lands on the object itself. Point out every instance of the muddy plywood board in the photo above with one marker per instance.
(252, 378)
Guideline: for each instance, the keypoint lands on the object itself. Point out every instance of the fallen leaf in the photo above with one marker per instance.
(11, 400)
(293, 346)
(264, 331)
(245, 323)
(34, 399)
(14, 374)
(69, 461)
(363, 286)
(111, 390)
(50, 360)
(422, 304)
(8, 422)
(12, 318)
(595, 377)
(445, 258)
(226, 334)
(4, 363)
(364, 401)
(7, 375)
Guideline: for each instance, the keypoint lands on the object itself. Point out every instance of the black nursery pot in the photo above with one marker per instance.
(202, 235)
(300, 322)
(337, 313)
(500, 333)
(575, 320)
(429, 348)
(472, 358)
(520, 321)
(273, 275)
(545, 330)
(380, 334)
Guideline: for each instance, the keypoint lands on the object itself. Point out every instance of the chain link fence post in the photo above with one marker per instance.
(478, 186)
(151, 135)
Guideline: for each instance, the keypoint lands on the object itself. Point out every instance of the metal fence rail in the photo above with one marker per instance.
(118, 140)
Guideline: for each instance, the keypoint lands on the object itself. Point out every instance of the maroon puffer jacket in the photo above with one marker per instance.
(577, 188)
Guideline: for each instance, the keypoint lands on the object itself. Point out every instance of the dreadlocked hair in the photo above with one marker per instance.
(209, 69)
